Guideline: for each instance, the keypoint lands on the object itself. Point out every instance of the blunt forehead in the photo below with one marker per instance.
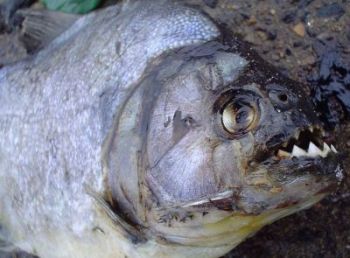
(211, 64)
(229, 65)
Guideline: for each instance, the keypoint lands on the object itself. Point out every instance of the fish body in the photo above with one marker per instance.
(146, 130)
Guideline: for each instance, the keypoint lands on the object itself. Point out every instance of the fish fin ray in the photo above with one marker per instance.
(129, 231)
(40, 27)
(7, 10)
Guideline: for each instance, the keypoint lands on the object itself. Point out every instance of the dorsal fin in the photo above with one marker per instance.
(7, 9)
(40, 27)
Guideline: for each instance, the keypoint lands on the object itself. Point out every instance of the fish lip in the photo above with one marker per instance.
(305, 162)
(327, 168)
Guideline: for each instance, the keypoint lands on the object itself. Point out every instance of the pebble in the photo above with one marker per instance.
(231, 7)
(250, 37)
(309, 60)
(252, 21)
(299, 29)
(348, 144)
(262, 35)
(275, 57)
(324, 36)
(272, 35)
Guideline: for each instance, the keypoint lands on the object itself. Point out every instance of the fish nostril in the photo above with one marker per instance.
(281, 99)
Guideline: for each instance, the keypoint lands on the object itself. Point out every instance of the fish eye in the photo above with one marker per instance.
(236, 113)
(238, 117)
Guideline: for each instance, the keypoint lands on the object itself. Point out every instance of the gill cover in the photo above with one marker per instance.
(160, 26)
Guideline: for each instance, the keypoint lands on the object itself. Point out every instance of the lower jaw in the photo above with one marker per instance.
(234, 229)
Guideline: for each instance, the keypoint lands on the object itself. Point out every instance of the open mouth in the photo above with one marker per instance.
(305, 143)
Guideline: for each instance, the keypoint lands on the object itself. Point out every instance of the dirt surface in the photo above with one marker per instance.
(307, 40)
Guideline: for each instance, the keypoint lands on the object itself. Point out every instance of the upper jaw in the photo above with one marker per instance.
(306, 142)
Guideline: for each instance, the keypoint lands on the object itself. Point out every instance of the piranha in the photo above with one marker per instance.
(148, 130)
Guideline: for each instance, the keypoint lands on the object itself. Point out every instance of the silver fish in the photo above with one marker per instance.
(147, 130)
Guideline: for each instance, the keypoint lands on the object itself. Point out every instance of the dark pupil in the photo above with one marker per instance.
(242, 115)
(283, 97)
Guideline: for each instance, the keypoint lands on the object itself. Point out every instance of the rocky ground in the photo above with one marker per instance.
(309, 41)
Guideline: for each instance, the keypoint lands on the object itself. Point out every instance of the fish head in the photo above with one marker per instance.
(213, 143)
(230, 138)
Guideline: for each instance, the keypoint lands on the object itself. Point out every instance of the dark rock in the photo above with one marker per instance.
(211, 3)
(330, 10)
(297, 44)
(268, 20)
(288, 52)
(245, 16)
(332, 85)
(271, 35)
(303, 3)
(289, 16)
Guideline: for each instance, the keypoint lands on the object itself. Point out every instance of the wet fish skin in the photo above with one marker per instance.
(111, 144)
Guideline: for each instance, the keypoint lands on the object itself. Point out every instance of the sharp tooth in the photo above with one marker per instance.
(296, 135)
(283, 154)
(297, 151)
(313, 150)
(325, 151)
(333, 149)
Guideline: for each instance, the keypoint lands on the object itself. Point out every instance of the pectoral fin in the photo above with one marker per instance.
(5, 243)
(131, 232)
